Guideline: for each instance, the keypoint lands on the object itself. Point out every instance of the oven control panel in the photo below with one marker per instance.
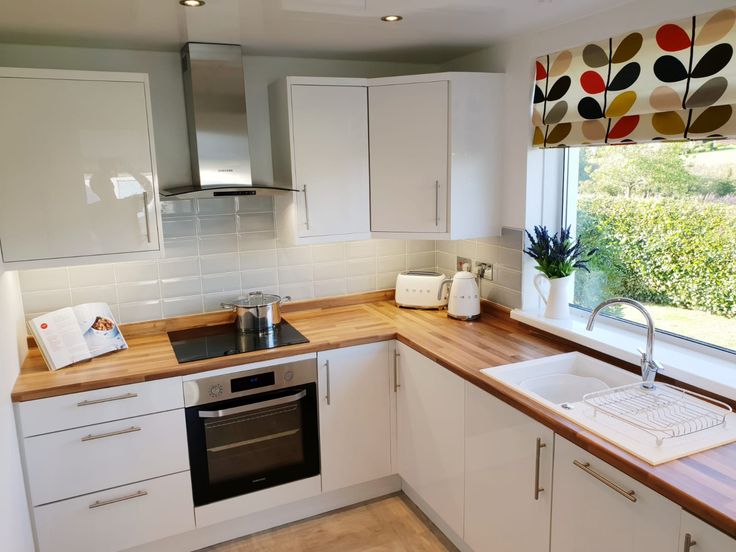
(249, 382)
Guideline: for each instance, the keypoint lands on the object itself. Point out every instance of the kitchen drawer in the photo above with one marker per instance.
(101, 405)
(87, 459)
(119, 518)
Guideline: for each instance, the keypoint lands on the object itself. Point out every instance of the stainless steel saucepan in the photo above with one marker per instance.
(257, 311)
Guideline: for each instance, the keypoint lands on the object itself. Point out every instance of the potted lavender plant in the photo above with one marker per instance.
(558, 256)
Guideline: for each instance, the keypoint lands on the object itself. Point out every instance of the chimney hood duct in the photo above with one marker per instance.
(214, 94)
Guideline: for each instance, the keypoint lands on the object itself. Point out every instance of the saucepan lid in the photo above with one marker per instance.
(256, 299)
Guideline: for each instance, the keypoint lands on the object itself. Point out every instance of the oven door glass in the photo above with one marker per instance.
(243, 445)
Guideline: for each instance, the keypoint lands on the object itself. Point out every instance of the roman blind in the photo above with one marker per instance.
(675, 81)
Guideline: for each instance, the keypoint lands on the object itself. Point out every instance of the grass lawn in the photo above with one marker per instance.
(691, 323)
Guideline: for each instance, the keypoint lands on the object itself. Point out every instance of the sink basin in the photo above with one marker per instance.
(561, 379)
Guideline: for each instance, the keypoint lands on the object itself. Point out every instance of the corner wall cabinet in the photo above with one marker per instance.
(78, 172)
(319, 137)
(414, 157)
(435, 155)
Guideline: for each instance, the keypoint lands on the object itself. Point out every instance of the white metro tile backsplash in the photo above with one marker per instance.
(215, 250)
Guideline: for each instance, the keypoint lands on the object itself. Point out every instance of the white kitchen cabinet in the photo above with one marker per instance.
(78, 170)
(319, 135)
(430, 415)
(435, 155)
(698, 536)
(596, 507)
(117, 519)
(508, 478)
(90, 458)
(354, 415)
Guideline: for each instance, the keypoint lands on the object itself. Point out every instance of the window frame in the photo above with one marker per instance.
(569, 189)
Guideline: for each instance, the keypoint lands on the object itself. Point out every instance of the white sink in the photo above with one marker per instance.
(561, 379)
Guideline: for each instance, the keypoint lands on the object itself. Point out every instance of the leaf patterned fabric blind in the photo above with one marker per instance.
(675, 81)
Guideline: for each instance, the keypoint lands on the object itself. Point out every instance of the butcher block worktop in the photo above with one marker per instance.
(704, 484)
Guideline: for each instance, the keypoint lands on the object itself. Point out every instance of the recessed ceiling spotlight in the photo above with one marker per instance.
(192, 3)
(391, 18)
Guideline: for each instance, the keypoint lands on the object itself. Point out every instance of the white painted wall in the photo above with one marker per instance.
(527, 186)
(15, 527)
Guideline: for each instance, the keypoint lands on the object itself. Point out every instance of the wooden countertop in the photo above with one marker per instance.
(704, 484)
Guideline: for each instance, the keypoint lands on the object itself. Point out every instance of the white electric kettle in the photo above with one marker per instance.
(464, 301)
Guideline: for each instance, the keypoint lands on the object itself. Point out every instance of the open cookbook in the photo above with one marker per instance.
(73, 334)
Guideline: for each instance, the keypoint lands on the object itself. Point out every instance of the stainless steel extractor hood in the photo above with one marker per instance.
(214, 93)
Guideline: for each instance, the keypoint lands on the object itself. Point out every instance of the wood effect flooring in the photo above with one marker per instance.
(391, 524)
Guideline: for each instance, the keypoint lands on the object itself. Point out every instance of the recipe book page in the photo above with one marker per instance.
(73, 334)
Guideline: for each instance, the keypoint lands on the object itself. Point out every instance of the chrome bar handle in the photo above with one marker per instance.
(108, 399)
(537, 488)
(306, 207)
(397, 354)
(689, 543)
(585, 466)
(100, 503)
(145, 213)
(436, 202)
(327, 381)
(92, 437)
(252, 407)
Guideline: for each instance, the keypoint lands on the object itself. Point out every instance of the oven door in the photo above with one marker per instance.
(247, 444)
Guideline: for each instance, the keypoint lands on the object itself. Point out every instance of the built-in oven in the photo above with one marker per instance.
(252, 429)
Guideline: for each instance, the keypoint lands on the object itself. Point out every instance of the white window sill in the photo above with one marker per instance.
(690, 363)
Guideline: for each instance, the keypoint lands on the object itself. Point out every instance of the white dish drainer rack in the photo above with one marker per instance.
(664, 411)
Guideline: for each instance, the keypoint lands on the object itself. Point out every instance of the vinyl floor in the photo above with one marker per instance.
(392, 524)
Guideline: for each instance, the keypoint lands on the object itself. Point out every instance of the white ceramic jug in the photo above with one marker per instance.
(558, 299)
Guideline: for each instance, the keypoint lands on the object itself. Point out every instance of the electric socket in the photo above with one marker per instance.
(462, 262)
(484, 270)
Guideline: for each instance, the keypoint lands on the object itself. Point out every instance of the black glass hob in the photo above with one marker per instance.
(225, 339)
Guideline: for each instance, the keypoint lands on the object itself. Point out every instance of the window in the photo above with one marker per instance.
(663, 217)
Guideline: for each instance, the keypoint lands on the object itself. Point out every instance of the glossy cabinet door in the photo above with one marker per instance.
(354, 415)
(430, 415)
(596, 507)
(698, 536)
(508, 478)
(330, 159)
(77, 175)
(409, 157)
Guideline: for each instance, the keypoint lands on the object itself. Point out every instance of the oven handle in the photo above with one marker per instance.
(252, 407)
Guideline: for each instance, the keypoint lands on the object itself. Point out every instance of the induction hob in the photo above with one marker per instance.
(225, 339)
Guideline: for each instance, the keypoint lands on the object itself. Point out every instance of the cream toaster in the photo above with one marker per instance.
(420, 290)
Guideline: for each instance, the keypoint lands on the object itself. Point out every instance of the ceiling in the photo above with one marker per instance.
(432, 30)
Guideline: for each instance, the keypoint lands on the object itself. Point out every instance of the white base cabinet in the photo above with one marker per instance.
(354, 415)
(118, 518)
(698, 536)
(596, 507)
(508, 476)
(431, 430)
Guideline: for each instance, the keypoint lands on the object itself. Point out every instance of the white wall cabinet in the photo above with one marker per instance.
(508, 477)
(430, 412)
(354, 415)
(319, 134)
(698, 536)
(435, 155)
(78, 170)
(596, 507)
